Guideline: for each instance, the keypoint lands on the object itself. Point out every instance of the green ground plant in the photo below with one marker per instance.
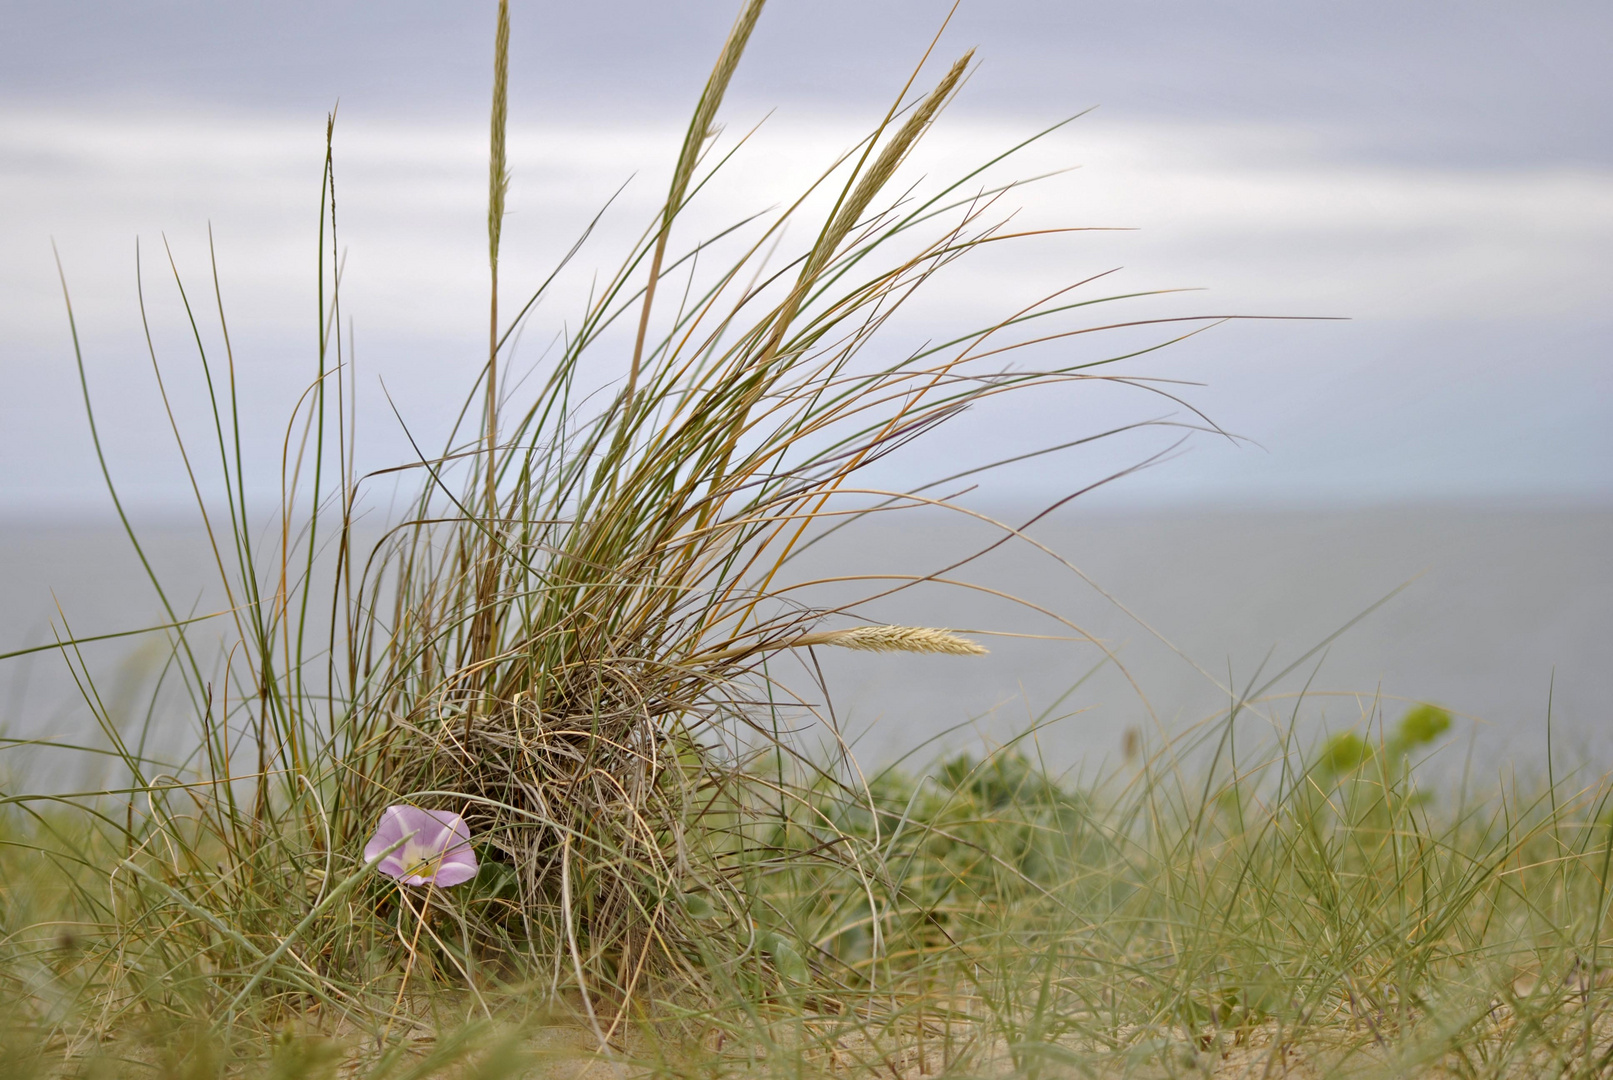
(568, 640)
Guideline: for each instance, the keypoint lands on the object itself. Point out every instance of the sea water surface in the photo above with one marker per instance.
(1163, 619)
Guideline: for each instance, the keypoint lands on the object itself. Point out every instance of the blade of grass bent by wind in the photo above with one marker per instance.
(860, 190)
(74, 641)
(700, 129)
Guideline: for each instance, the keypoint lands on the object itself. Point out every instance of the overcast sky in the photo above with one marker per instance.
(1440, 172)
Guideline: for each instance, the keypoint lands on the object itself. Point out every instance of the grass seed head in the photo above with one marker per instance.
(916, 639)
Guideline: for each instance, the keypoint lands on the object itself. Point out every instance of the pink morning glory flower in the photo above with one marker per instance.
(437, 853)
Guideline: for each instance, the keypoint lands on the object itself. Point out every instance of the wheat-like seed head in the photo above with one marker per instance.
(920, 639)
(498, 167)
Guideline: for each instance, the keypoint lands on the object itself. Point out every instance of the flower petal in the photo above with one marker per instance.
(460, 830)
(389, 832)
(451, 829)
(456, 873)
(464, 853)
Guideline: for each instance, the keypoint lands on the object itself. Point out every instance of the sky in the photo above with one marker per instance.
(1438, 174)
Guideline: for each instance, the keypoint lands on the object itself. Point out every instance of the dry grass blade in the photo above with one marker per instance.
(700, 130)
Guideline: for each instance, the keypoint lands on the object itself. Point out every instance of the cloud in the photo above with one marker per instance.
(1255, 212)
(1240, 210)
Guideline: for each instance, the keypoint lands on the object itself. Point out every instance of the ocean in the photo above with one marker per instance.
(1151, 621)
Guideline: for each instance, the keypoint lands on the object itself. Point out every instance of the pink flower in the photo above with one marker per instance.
(436, 852)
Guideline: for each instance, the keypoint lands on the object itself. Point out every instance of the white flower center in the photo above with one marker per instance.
(419, 860)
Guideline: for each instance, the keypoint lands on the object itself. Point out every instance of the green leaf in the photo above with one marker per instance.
(1420, 726)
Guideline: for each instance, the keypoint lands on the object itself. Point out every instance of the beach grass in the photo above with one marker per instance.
(571, 638)
(1310, 914)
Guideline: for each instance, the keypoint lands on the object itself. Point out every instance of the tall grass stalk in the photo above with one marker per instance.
(498, 188)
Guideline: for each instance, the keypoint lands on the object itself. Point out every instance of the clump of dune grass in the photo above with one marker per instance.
(566, 637)
(571, 637)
